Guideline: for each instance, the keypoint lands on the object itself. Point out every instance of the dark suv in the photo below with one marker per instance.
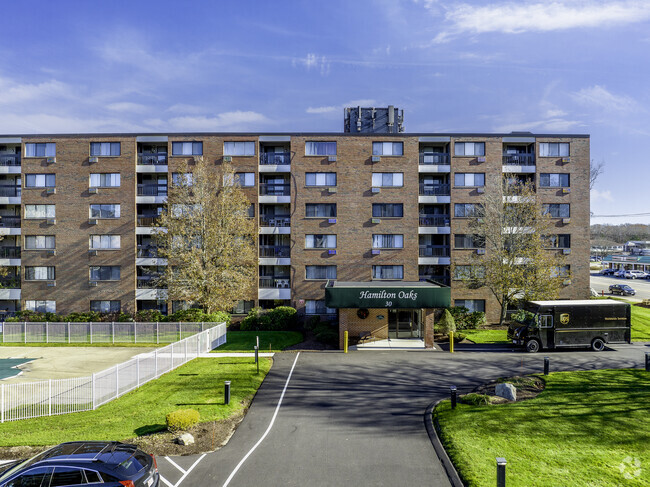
(622, 289)
(88, 463)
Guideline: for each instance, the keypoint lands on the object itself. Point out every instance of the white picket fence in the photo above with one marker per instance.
(63, 396)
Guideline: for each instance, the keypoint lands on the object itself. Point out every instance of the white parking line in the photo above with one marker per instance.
(185, 473)
(165, 481)
(174, 464)
(277, 409)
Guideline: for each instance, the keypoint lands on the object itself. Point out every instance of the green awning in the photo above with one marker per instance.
(380, 294)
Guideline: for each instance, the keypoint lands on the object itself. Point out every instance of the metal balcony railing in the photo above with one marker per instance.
(9, 252)
(441, 279)
(9, 222)
(519, 159)
(151, 189)
(10, 160)
(9, 190)
(427, 189)
(434, 220)
(147, 220)
(272, 282)
(10, 283)
(275, 251)
(147, 283)
(275, 189)
(275, 221)
(434, 251)
(275, 158)
(153, 159)
(148, 251)
(436, 158)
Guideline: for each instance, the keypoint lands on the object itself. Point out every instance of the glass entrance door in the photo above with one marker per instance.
(403, 323)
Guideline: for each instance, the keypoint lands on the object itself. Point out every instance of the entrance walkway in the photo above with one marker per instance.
(393, 344)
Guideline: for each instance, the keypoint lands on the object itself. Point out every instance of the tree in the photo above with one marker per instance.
(208, 238)
(595, 170)
(519, 262)
(447, 324)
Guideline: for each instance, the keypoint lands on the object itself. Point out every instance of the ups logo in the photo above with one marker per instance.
(564, 318)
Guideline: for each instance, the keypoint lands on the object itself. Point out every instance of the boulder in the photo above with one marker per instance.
(185, 439)
(507, 391)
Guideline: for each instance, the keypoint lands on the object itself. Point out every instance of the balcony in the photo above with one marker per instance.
(147, 282)
(278, 224)
(434, 224)
(434, 162)
(428, 189)
(10, 160)
(9, 252)
(275, 189)
(147, 220)
(275, 251)
(147, 252)
(275, 158)
(10, 190)
(9, 221)
(434, 251)
(152, 189)
(519, 163)
(275, 282)
(153, 159)
(9, 282)
(439, 279)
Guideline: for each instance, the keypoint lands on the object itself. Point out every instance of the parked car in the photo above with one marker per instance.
(620, 273)
(634, 275)
(109, 463)
(622, 289)
(607, 272)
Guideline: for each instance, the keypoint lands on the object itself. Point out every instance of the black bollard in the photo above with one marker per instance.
(257, 360)
(453, 397)
(226, 392)
(546, 365)
(501, 472)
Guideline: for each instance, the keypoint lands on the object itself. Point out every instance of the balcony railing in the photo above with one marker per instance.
(434, 220)
(147, 220)
(147, 282)
(275, 221)
(148, 251)
(434, 251)
(9, 222)
(274, 189)
(427, 189)
(436, 158)
(9, 252)
(441, 279)
(150, 189)
(275, 251)
(519, 159)
(275, 158)
(154, 159)
(10, 283)
(9, 190)
(10, 160)
(272, 282)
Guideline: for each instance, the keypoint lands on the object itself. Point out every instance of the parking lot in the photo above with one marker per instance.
(601, 284)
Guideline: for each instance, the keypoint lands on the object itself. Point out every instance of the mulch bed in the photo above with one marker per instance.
(528, 387)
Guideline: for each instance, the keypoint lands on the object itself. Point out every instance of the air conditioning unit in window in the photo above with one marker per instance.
(331, 220)
(376, 220)
(566, 220)
(227, 158)
(566, 251)
(331, 252)
(331, 158)
(375, 252)
(566, 282)
(51, 160)
(376, 158)
(92, 191)
(51, 221)
(92, 283)
(92, 252)
(50, 191)
(566, 159)
(480, 190)
(480, 251)
(480, 159)
(51, 283)
(566, 190)
(92, 221)
(375, 189)
(332, 189)
(50, 252)
(93, 159)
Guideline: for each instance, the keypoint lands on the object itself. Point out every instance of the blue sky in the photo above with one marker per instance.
(571, 66)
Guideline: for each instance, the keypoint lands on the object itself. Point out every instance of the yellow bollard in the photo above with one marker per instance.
(345, 341)
(451, 342)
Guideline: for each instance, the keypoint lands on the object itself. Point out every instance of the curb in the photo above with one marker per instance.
(450, 470)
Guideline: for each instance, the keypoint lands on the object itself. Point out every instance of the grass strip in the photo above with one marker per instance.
(274, 341)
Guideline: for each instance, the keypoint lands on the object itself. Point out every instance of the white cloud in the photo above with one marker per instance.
(599, 96)
(313, 61)
(601, 195)
(519, 17)
(227, 121)
(126, 106)
(12, 92)
(338, 108)
(554, 125)
(185, 109)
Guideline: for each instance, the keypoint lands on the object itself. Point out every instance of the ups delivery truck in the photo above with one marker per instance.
(581, 323)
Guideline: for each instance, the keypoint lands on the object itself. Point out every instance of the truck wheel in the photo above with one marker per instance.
(532, 346)
(598, 345)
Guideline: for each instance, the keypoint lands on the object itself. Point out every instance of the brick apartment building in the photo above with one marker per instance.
(353, 207)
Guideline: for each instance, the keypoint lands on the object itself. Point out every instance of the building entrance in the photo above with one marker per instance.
(404, 323)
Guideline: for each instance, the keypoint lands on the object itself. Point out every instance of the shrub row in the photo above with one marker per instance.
(150, 315)
(466, 320)
(276, 319)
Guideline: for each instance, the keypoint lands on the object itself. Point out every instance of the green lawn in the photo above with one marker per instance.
(244, 341)
(197, 385)
(577, 432)
(486, 336)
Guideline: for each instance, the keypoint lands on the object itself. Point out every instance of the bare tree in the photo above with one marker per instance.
(208, 239)
(521, 261)
(595, 170)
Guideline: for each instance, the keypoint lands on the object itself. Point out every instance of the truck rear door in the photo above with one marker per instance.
(546, 330)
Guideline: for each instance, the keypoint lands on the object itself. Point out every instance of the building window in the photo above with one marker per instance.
(388, 272)
(320, 210)
(239, 148)
(465, 272)
(385, 241)
(320, 272)
(468, 241)
(557, 210)
(39, 273)
(469, 149)
(469, 179)
(251, 211)
(105, 149)
(562, 271)
(40, 242)
(553, 180)
(320, 241)
(320, 148)
(104, 242)
(40, 211)
(471, 304)
(559, 241)
(320, 179)
(387, 179)
(40, 180)
(387, 210)
(554, 149)
(40, 306)
(243, 307)
(245, 179)
(187, 148)
(104, 211)
(387, 148)
(317, 307)
(467, 210)
(104, 272)
(105, 306)
(40, 150)
(182, 178)
(105, 180)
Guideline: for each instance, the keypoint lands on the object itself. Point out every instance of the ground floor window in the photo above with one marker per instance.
(40, 306)
(243, 307)
(105, 306)
(471, 304)
(317, 307)
(146, 304)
